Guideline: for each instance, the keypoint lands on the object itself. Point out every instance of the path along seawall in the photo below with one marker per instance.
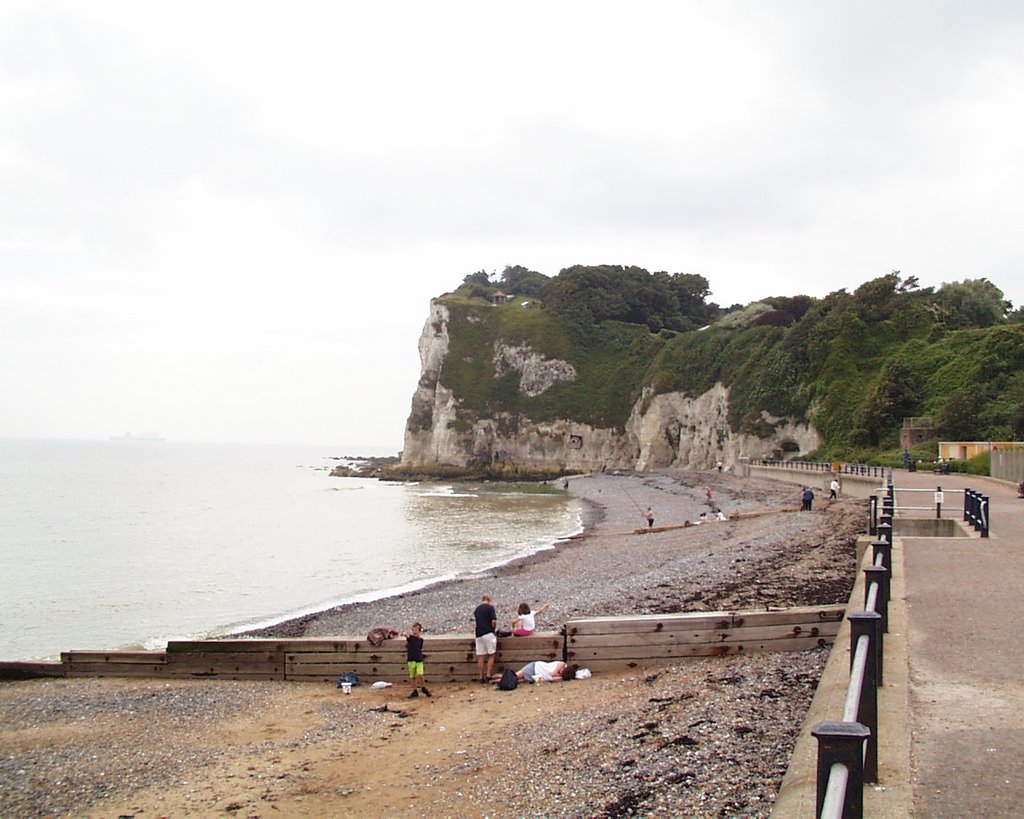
(950, 735)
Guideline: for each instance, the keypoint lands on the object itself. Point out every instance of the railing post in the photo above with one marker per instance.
(883, 548)
(879, 575)
(873, 516)
(983, 509)
(870, 623)
(842, 742)
(885, 532)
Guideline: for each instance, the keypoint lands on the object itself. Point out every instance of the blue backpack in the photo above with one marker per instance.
(348, 677)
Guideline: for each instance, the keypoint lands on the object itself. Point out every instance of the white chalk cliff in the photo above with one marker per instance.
(663, 431)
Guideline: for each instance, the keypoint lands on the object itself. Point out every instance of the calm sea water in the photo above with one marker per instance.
(130, 543)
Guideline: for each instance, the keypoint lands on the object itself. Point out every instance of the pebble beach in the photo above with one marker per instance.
(707, 737)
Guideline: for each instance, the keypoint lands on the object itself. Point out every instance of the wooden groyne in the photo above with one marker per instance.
(603, 644)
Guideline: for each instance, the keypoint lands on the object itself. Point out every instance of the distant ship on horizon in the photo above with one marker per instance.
(148, 437)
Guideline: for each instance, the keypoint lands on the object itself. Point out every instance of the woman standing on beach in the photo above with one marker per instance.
(649, 514)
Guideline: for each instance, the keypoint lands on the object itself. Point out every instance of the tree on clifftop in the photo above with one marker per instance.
(631, 294)
(971, 303)
(523, 282)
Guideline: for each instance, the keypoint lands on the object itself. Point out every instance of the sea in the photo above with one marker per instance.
(130, 543)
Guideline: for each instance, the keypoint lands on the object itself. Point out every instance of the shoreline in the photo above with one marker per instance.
(582, 576)
(592, 514)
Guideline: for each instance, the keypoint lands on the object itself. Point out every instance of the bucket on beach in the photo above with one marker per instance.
(346, 688)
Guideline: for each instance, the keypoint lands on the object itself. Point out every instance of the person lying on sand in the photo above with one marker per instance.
(540, 671)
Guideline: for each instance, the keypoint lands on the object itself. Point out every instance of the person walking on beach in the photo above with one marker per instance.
(649, 514)
(833, 489)
(486, 618)
(414, 659)
(808, 499)
(710, 498)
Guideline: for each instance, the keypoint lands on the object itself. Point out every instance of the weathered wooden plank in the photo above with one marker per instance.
(586, 653)
(645, 642)
(30, 669)
(521, 658)
(702, 620)
(115, 670)
(342, 644)
(222, 674)
(624, 664)
(233, 659)
(302, 668)
(118, 657)
(279, 646)
(649, 623)
(240, 666)
(397, 681)
(796, 615)
(551, 639)
(441, 658)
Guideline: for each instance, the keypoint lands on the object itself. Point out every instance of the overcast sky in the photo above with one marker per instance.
(225, 221)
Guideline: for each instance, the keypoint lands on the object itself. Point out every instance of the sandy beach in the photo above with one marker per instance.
(701, 738)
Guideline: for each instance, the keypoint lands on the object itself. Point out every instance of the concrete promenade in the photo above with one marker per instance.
(951, 730)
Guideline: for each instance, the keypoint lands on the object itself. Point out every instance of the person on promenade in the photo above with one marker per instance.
(833, 489)
(486, 618)
(649, 514)
(526, 623)
(414, 659)
(540, 671)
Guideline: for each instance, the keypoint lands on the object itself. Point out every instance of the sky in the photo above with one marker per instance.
(224, 222)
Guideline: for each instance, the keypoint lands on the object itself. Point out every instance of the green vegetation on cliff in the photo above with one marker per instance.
(853, 364)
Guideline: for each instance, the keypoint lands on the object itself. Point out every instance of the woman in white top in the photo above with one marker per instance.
(546, 672)
(526, 623)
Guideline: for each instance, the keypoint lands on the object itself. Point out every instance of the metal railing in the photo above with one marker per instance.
(976, 511)
(938, 497)
(848, 749)
(828, 466)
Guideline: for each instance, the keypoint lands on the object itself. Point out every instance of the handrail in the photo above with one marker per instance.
(835, 794)
(853, 692)
(848, 750)
(869, 470)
